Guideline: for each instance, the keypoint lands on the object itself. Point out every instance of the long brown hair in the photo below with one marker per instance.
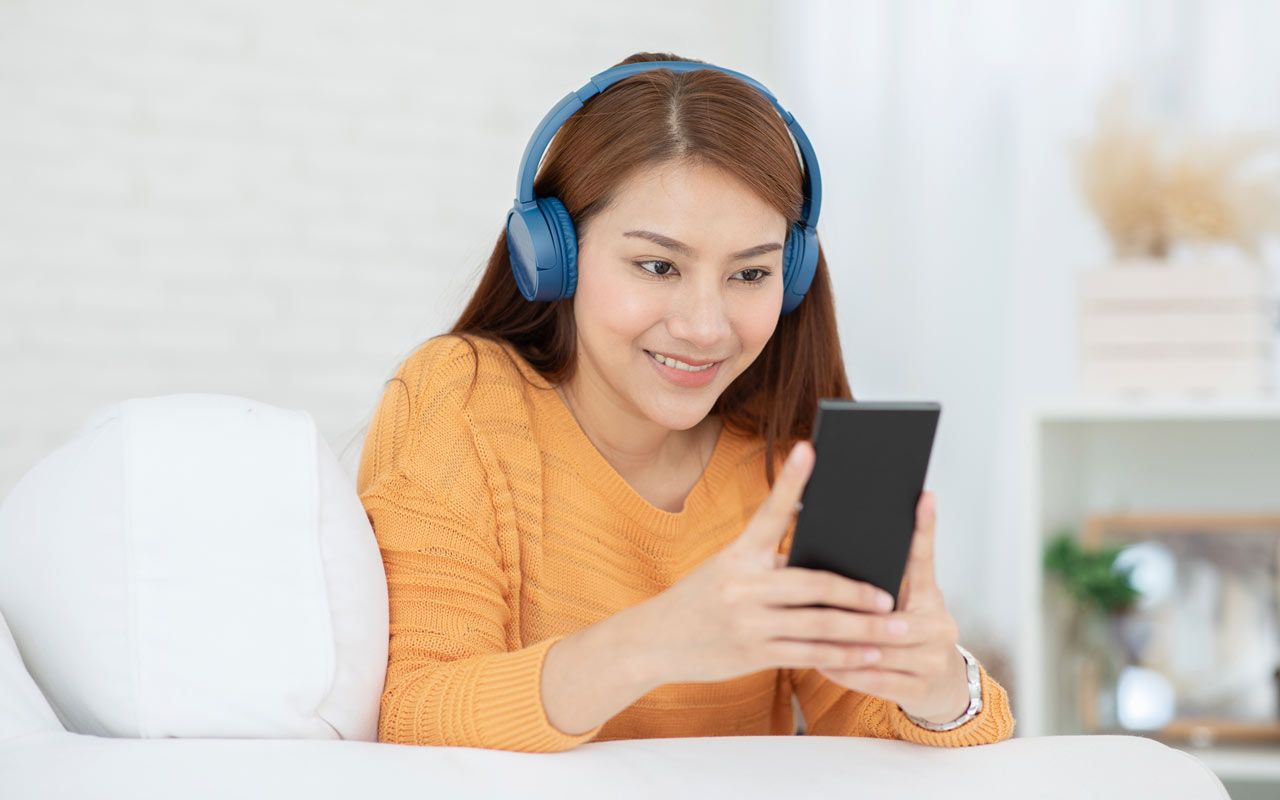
(700, 116)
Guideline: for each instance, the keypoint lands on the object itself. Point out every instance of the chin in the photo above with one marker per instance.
(676, 416)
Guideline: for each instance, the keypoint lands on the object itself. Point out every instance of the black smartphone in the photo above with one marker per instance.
(858, 510)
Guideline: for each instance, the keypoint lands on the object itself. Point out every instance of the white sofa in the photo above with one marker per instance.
(192, 604)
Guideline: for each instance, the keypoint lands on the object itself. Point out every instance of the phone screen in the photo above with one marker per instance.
(858, 509)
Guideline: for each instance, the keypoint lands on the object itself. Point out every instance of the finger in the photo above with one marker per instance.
(801, 586)
(839, 625)
(907, 658)
(926, 526)
(798, 654)
(769, 524)
(921, 574)
(880, 682)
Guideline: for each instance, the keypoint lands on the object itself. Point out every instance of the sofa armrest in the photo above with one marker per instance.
(23, 707)
(72, 766)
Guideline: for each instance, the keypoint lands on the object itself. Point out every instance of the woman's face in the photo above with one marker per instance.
(719, 247)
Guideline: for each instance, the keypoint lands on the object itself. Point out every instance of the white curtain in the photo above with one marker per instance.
(952, 218)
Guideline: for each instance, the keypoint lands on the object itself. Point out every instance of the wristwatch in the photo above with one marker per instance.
(975, 697)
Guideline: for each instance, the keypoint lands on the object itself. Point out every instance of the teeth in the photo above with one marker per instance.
(671, 362)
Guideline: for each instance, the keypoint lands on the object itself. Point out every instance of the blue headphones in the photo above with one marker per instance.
(541, 239)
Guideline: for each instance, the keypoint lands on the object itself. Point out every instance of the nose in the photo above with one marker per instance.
(699, 316)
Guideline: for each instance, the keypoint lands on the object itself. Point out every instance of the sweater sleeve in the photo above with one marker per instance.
(832, 710)
(452, 678)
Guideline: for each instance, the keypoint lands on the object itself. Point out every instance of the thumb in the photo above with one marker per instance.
(769, 524)
(921, 576)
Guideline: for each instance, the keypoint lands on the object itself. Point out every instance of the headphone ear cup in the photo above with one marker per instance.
(799, 263)
(565, 279)
(529, 248)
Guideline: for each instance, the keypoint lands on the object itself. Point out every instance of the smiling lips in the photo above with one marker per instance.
(686, 376)
(677, 360)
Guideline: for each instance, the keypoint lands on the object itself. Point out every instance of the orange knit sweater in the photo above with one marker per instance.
(503, 529)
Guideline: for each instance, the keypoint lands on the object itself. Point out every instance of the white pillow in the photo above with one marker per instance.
(23, 709)
(197, 565)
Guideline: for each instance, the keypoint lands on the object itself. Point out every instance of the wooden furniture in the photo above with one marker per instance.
(1104, 461)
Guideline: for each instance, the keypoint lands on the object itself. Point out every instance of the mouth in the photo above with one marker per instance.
(682, 374)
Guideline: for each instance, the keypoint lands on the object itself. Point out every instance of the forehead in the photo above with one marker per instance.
(682, 200)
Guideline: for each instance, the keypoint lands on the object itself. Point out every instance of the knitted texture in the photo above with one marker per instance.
(503, 530)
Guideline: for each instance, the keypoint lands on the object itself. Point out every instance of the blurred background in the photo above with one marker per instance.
(1057, 219)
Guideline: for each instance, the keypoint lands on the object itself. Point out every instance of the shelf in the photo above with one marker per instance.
(1104, 410)
(1084, 457)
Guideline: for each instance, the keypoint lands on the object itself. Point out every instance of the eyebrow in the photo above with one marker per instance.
(684, 249)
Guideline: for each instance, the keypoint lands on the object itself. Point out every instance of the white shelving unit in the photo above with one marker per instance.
(1094, 456)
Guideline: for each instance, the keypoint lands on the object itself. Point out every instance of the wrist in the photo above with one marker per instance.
(945, 720)
(953, 712)
(625, 634)
(958, 698)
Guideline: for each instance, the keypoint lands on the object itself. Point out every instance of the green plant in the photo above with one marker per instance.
(1090, 576)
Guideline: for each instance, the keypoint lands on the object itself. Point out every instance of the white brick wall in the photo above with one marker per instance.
(276, 200)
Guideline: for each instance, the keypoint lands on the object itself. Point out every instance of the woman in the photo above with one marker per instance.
(581, 504)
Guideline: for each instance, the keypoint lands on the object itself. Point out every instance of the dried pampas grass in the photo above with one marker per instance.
(1152, 191)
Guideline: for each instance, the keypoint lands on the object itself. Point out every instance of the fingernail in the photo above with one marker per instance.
(885, 602)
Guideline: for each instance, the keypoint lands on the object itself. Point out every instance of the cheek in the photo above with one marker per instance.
(607, 302)
(755, 322)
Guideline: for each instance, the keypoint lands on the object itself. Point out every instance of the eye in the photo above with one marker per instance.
(763, 273)
(760, 273)
(641, 264)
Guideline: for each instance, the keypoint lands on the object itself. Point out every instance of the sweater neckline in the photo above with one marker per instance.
(596, 470)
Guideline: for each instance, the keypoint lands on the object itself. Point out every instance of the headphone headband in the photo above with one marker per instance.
(574, 101)
(542, 241)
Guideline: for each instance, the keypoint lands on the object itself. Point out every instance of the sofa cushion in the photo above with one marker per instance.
(197, 565)
(23, 708)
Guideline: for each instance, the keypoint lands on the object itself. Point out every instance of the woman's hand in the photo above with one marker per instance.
(743, 610)
(920, 670)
